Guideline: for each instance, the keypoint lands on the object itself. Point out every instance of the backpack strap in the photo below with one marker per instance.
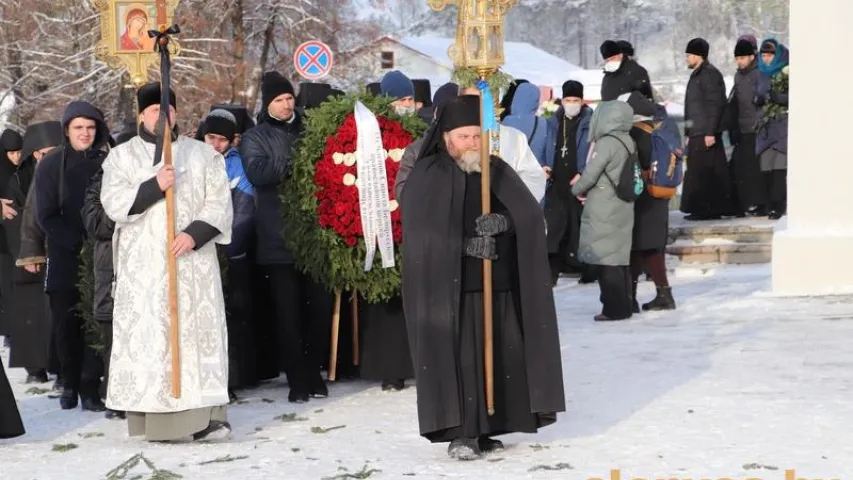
(533, 133)
(629, 158)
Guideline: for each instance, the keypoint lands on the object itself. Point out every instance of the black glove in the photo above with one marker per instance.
(483, 248)
(492, 224)
(759, 100)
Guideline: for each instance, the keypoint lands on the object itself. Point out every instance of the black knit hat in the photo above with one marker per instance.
(11, 141)
(149, 94)
(273, 85)
(744, 48)
(423, 91)
(610, 49)
(221, 122)
(698, 47)
(573, 88)
(240, 112)
(626, 47)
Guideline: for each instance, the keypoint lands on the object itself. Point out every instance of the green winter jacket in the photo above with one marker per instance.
(607, 221)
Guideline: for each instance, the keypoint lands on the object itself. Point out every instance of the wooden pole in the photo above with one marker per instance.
(172, 266)
(354, 308)
(488, 332)
(336, 325)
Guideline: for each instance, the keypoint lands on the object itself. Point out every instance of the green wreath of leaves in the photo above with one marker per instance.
(320, 252)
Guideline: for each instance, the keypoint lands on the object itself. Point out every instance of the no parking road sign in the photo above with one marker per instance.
(313, 60)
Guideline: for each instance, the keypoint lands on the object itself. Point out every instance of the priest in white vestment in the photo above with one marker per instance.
(133, 196)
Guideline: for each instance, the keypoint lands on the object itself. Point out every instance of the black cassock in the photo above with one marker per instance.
(444, 321)
(10, 419)
(707, 182)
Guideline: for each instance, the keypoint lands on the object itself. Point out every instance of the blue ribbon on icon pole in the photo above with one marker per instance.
(490, 125)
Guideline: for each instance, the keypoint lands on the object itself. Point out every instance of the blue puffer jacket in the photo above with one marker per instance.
(243, 201)
(525, 103)
(581, 139)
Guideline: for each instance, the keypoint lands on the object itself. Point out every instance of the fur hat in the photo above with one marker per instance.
(610, 49)
(744, 48)
(626, 47)
(698, 47)
(573, 88)
(149, 94)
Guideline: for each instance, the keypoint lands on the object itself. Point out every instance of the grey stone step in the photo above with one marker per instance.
(725, 253)
(737, 233)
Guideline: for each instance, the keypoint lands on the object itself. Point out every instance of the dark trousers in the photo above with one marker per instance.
(78, 363)
(651, 261)
(242, 358)
(295, 331)
(776, 182)
(107, 342)
(616, 296)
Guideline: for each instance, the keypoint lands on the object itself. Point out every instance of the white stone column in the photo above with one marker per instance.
(813, 255)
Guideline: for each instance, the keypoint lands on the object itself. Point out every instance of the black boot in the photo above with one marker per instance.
(114, 415)
(318, 387)
(464, 449)
(37, 376)
(635, 305)
(663, 301)
(68, 400)
(92, 403)
(393, 385)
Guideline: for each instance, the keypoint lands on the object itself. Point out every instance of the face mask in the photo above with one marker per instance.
(403, 111)
(612, 66)
(572, 109)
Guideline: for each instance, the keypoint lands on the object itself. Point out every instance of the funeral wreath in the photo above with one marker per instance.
(321, 197)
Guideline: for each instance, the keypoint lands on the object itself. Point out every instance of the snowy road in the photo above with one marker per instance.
(735, 384)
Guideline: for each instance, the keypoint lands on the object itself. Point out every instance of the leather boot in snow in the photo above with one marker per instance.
(663, 301)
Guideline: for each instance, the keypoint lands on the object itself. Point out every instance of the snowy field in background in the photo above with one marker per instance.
(736, 383)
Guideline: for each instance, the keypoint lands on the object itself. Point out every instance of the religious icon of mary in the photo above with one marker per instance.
(135, 35)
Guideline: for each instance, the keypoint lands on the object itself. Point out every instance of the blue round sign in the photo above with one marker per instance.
(313, 60)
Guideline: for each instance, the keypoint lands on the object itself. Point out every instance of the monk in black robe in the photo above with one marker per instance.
(445, 239)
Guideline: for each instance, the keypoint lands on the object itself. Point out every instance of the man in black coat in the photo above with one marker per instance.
(446, 239)
(622, 74)
(60, 185)
(706, 194)
(267, 152)
(749, 193)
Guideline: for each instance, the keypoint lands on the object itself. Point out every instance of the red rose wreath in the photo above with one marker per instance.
(321, 199)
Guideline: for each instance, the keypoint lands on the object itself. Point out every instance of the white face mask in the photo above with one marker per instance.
(572, 109)
(403, 111)
(612, 66)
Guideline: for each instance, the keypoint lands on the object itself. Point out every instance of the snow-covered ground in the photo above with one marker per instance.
(736, 383)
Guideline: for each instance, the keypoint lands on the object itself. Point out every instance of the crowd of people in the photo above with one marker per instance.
(74, 195)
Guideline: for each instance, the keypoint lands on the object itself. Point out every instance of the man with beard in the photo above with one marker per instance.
(706, 192)
(446, 238)
(622, 74)
(570, 126)
(399, 88)
(749, 190)
(61, 181)
(34, 346)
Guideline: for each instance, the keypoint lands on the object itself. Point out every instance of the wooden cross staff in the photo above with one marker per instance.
(163, 152)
